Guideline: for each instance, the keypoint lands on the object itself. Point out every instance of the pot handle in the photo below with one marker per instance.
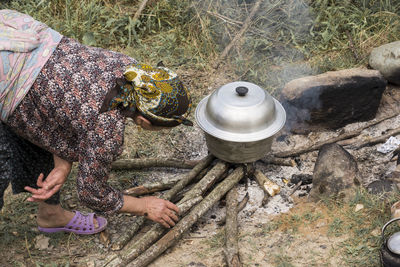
(386, 225)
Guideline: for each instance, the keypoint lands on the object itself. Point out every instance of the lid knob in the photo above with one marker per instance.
(242, 90)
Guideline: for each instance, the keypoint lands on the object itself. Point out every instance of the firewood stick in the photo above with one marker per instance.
(209, 179)
(231, 250)
(128, 164)
(131, 251)
(376, 140)
(239, 35)
(266, 184)
(128, 234)
(185, 223)
(241, 206)
(279, 161)
(151, 187)
(318, 145)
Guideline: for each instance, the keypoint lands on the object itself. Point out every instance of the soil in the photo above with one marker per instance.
(266, 239)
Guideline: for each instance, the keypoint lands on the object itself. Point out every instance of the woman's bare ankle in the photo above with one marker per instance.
(53, 215)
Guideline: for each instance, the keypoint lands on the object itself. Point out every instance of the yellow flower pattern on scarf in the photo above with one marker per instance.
(156, 92)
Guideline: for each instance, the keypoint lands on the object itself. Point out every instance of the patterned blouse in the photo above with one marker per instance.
(60, 113)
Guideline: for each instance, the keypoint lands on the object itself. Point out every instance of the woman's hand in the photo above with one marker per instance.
(53, 182)
(161, 211)
(155, 209)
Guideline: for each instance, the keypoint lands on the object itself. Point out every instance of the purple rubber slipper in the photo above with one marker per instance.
(80, 224)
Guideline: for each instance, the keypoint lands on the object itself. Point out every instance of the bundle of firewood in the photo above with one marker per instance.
(194, 193)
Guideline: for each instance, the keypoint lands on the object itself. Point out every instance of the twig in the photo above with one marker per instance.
(352, 46)
(297, 186)
(226, 19)
(231, 229)
(299, 151)
(239, 35)
(127, 164)
(376, 140)
(140, 9)
(185, 223)
(186, 179)
(27, 248)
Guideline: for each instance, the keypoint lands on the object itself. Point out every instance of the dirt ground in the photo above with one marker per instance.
(287, 231)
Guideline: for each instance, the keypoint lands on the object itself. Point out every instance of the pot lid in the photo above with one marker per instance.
(240, 112)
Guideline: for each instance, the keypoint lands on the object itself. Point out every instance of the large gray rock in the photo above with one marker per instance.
(386, 59)
(333, 99)
(335, 174)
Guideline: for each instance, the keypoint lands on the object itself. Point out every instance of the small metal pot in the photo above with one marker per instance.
(390, 250)
(239, 120)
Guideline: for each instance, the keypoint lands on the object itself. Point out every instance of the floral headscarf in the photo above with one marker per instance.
(157, 93)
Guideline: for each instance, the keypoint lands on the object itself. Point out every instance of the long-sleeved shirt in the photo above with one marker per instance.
(60, 113)
(25, 46)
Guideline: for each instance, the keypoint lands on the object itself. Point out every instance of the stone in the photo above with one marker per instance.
(333, 99)
(335, 174)
(386, 59)
(381, 187)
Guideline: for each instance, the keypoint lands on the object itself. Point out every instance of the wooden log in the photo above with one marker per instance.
(241, 206)
(318, 145)
(137, 164)
(279, 161)
(185, 223)
(151, 187)
(231, 229)
(131, 251)
(209, 179)
(128, 234)
(266, 184)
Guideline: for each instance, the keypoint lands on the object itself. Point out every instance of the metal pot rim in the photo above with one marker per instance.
(273, 128)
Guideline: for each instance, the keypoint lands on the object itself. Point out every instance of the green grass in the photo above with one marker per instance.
(287, 39)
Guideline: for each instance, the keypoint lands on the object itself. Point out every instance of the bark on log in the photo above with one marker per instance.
(241, 206)
(136, 164)
(151, 188)
(185, 223)
(318, 145)
(194, 193)
(132, 251)
(279, 161)
(186, 179)
(209, 179)
(231, 229)
(128, 234)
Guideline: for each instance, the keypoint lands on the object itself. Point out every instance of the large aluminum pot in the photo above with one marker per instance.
(239, 120)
